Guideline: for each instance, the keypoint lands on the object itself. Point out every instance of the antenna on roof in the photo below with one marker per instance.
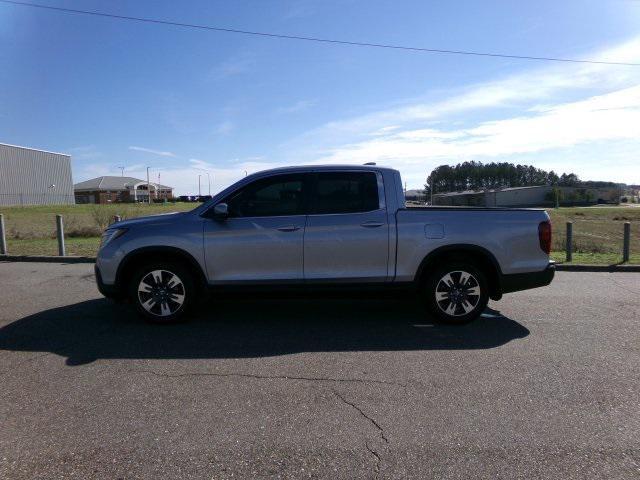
(370, 163)
(121, 171)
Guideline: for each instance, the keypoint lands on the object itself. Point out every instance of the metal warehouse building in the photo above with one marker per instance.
(534, 196)
(34, 177)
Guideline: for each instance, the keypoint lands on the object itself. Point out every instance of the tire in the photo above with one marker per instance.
(162, 292)
(456, 293)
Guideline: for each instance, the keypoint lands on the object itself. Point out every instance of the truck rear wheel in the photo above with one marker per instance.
(456, 293)
(163, 292)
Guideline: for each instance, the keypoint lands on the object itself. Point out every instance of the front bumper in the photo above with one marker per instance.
(109, 291)
(525, 281)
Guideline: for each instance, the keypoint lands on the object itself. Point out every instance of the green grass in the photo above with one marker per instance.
(79, 220)
(32, 230)
(595, 258)
(597, 231)
(83, 247)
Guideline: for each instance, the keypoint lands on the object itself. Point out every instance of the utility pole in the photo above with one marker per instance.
(121, 171)
(209, 180)
(199, 192)
(148, 187)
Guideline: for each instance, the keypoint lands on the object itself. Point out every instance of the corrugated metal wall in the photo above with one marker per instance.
(34, 177)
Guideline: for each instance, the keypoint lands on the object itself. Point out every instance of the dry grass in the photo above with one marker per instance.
(80, 221)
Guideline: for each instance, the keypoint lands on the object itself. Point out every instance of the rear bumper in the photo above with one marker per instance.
(525, 281)
(109, 291)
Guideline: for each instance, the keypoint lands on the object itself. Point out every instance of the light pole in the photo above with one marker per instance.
(208, 180)
(148, 188)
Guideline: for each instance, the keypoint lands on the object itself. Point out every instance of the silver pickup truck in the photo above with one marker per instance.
(325, 226)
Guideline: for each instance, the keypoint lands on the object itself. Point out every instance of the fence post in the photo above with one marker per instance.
(116, 218)
(569, 241)
(3, 239)
(60, 232)
(626, 242)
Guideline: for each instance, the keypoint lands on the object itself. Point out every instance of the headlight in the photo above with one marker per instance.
(111, 234)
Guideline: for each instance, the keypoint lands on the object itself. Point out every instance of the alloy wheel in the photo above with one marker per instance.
(457, 293)
(161, 293)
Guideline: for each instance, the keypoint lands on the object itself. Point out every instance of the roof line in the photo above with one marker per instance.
(34, 149)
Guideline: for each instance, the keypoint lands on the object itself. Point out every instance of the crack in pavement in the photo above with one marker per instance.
(267, 377)
(375, 454)
(626, 287)
(378, 457)
(373, 422)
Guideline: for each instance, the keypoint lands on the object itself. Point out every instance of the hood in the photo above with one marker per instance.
(150, 219)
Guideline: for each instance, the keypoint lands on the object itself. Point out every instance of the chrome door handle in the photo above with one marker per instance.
(288, 228)
(371, 224)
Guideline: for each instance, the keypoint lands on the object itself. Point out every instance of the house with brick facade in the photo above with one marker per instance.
(114, 189)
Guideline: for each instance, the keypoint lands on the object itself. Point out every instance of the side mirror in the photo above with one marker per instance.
(221, 211)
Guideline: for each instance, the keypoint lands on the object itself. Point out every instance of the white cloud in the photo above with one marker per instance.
(611, 117)
(541, 112)
(184, 179)
(240, 64)
(297, 107)
(224, 128)
(155, 152)
(84, 152)
(299, 9)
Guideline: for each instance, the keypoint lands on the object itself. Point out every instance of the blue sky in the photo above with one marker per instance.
(116, 93)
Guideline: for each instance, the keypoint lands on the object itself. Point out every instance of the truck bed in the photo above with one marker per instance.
(509, 235)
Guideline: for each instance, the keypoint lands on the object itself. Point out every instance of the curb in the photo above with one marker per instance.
(597, 268)
(46, 259)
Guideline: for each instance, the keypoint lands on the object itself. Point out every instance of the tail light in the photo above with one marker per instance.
(544, 236)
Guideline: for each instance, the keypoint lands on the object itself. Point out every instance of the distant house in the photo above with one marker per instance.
(119, 189)
(534, 196)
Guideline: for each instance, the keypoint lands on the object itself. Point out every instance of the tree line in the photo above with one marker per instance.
(479, 176)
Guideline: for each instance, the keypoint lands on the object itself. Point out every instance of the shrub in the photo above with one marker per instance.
(101, 216)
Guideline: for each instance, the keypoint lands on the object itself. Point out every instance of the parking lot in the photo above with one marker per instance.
(545, 385)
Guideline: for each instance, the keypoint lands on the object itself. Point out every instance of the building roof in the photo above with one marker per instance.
(114, 183)
(32, 149)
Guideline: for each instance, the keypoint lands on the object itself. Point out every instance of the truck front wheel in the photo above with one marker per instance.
(456, 293)
(162, 292)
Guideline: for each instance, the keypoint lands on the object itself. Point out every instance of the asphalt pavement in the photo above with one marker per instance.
(545, 385)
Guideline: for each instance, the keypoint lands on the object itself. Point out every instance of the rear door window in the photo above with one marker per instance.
(345, 192)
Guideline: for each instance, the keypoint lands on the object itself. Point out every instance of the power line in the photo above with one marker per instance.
(314, 39)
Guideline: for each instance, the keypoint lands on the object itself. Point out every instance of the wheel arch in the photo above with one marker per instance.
(477, 255)
(139, 256)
